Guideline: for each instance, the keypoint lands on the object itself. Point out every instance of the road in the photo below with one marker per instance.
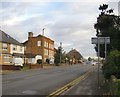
(41, 81)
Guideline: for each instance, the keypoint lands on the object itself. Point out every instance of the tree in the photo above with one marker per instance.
(59, 56)
(112, 65)
(109, 26)
(89, 59)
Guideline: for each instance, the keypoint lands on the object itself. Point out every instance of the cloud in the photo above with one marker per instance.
(66, 22)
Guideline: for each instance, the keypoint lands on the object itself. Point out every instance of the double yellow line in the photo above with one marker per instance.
(69, 85)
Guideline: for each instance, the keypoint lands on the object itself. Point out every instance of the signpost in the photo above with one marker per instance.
(101, 40)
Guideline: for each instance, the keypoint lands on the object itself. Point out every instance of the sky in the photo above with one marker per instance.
(67, 21)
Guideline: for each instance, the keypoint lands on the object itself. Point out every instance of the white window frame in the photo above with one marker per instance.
(4, 46)
(38, 43)
(14, 47)
(21, 48)
(46, 44)
(31, 60)
(6, 58)
(45, 51)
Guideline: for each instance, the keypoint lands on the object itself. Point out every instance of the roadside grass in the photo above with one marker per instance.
(25, 68)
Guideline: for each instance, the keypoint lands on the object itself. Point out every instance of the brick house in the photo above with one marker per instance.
(10, 51)
(39, 47)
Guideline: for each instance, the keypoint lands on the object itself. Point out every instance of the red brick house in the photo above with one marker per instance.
(38, 47)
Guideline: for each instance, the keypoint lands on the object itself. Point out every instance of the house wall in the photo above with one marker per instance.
(8, 52)
(8, 48)
(49, 48)
(4, 52)
(32, 47)
(2, 62)
(0, 47)
(20, 49)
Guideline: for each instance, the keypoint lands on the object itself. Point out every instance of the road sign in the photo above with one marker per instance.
(102, 40)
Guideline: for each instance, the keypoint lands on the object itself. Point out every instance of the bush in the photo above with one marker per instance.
(39, 61)
(112, 65)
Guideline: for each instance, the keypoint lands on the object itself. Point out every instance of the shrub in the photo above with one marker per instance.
(112, 65)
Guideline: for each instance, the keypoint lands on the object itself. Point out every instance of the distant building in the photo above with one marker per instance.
(74, 56)
(39, 47)
(11, 52)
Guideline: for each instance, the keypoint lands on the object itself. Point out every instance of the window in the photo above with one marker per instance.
(4, 46)
(51, 53)
(25, 48)
(46, 44)
(14, 47)
(45, 51)
(21, 48)
(38, 43)
(31, 60)
(7, 58)
(51, 46)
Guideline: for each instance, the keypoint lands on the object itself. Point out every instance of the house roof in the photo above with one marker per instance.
(40, 36)
(74, 54)
(8, 39)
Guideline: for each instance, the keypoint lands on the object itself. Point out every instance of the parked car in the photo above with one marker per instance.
(94, 63)
(18, 62)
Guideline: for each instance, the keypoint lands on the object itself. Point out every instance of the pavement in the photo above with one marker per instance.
(90, 85)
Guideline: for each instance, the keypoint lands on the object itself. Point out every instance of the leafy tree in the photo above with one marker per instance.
(112, 66)
(58, 55)
(89, 59)
(109, 26)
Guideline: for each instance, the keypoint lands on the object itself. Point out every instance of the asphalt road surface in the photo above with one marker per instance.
(41, 81)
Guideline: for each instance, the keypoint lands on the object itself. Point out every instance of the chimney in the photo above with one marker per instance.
(30, 34)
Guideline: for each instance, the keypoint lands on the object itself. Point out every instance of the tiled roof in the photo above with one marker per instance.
(74, 53)
(8, 39)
